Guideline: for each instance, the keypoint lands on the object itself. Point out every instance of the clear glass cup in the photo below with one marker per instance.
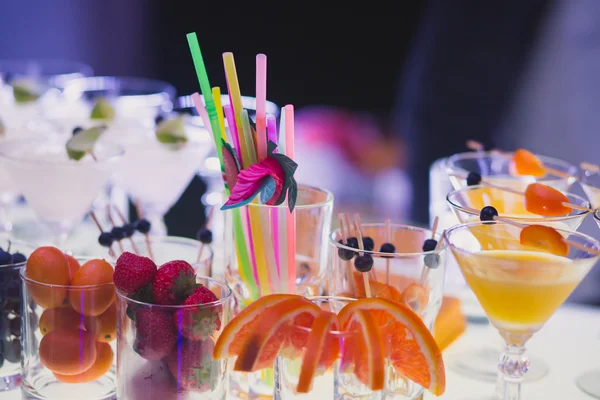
(68, 340)
(590, 182)
(267, 263)
(403, 276)
(154, 358)
(11, 314)
(510, 280)
(59, 190)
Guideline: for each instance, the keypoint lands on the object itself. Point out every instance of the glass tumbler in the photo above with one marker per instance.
(68, 339)
(166, 352)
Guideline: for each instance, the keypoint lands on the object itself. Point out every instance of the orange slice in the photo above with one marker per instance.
(236, 332)
(420, 360)
(543, 200)
(264, 342)
(526, 163)
(544, 238)
(416, 297)
(378, 289)
(315, 348)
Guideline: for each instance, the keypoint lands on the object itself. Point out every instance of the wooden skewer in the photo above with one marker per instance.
(361, 246)
(358, 224)
(207, 226)
(93, 215)
(138, 210)
(388, 234)
(112, 222)
(477, 146)
(425, 270)
(348, 264)
(124, 221)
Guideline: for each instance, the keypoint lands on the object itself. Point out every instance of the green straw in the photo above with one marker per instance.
(243, 258)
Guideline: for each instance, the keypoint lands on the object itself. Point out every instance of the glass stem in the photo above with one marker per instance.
(513, 365)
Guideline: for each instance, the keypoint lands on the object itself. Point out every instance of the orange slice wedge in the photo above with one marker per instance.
(419, 359)
(264, 342)
(544, 238)
(415, 297)
(546, 201)
(526, 163)
(378, 289)
(315, 348)
(236, 332)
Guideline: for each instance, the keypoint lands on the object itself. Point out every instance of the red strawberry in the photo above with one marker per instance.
(174, 281)
(193, 366)
(155, 333)
(132, 272)
(199, 323)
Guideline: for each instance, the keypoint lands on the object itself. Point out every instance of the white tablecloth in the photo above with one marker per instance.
(569, 344)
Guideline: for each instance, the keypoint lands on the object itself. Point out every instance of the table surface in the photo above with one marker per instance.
(569, 344)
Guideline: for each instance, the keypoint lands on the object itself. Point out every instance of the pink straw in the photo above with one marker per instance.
(261, 106)
(272, 128)
(291, 217)
(199, 104)
(233, 130)
(272, 134)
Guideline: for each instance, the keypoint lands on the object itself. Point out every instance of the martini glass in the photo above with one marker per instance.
(589, 381)
(510, 282)
(590, 182)
(58, 189)
(466, 204)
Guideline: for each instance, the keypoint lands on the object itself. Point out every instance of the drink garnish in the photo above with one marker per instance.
(25, 91)
(83, 142)
(171, 132)
(103, 110)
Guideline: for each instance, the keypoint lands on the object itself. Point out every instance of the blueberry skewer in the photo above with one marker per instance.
(129, 229)
(363, 262)
(346, 255)
(116, 231)
(105, 239)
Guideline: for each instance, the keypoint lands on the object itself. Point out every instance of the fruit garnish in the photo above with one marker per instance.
(544, 238)
(143, 226)
(544, 200)
(415, 297)
(171, 132)
(378, 289)
(155, 335)
(83, 143)
(488, 213)
(25, 91)
(387, 248)
(526, 163)
(198, 323)
(315, 347)
(102, 110)
(133, 272)
(204, 235)
(103, 363)
(173, 282)
(425, 365)
(231, 165)
(473, 179)
(236, 332)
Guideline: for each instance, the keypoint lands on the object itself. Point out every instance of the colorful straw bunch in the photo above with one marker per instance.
(265, 237)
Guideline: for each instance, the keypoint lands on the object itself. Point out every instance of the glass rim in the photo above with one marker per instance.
(23, 156)
(72, 69)
(22, 242)
(597, 215)
(141, 241)
(448, 232)
(69, 287)
(328, 200)
(534, 218)
(570, 169)
(337, 333)
(438, 235)
(248, 102)
(174, 307)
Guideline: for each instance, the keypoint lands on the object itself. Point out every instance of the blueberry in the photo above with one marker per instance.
(118, 233)
(106, 239)
(363, 263)
(352, 242)
(488, 213)
(368, 243)
(18, 258)
(5, 258)
(143, 226)
(430, 245)
(76, 130)
(158, 119)
(205, 236)
(473, 179)
(432, 260)
(129, 230)
(387, 248)
(345, 254)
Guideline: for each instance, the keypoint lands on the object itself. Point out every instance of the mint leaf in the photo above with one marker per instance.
(267, 190)
(271, 147)
(292, 195)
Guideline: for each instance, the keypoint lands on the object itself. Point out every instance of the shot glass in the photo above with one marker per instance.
(166, 352)
(68, 336)
(408, 275)
(11, 311)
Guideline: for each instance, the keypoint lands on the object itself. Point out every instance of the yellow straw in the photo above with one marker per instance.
(236, 101)
(216, 91)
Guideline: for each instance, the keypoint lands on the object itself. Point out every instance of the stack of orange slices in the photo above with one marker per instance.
(376, 332)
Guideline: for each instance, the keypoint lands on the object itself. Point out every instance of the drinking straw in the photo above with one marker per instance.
(236, 102)
(282, 219)
(233, 131)
(272, 128)
(272, 134)
(261, 106)
(197, 100)
(242, 254)
(291, 216)
(248, 139)
(216, 92)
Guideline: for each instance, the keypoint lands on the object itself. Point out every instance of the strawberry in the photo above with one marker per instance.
(132, 272)
(174, 281)
(155, 333)
(198, 323)
(193, 366)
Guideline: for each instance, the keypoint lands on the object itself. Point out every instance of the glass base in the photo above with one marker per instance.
(589, 382)
(44, 386)
(10, 382)
(481, 364)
